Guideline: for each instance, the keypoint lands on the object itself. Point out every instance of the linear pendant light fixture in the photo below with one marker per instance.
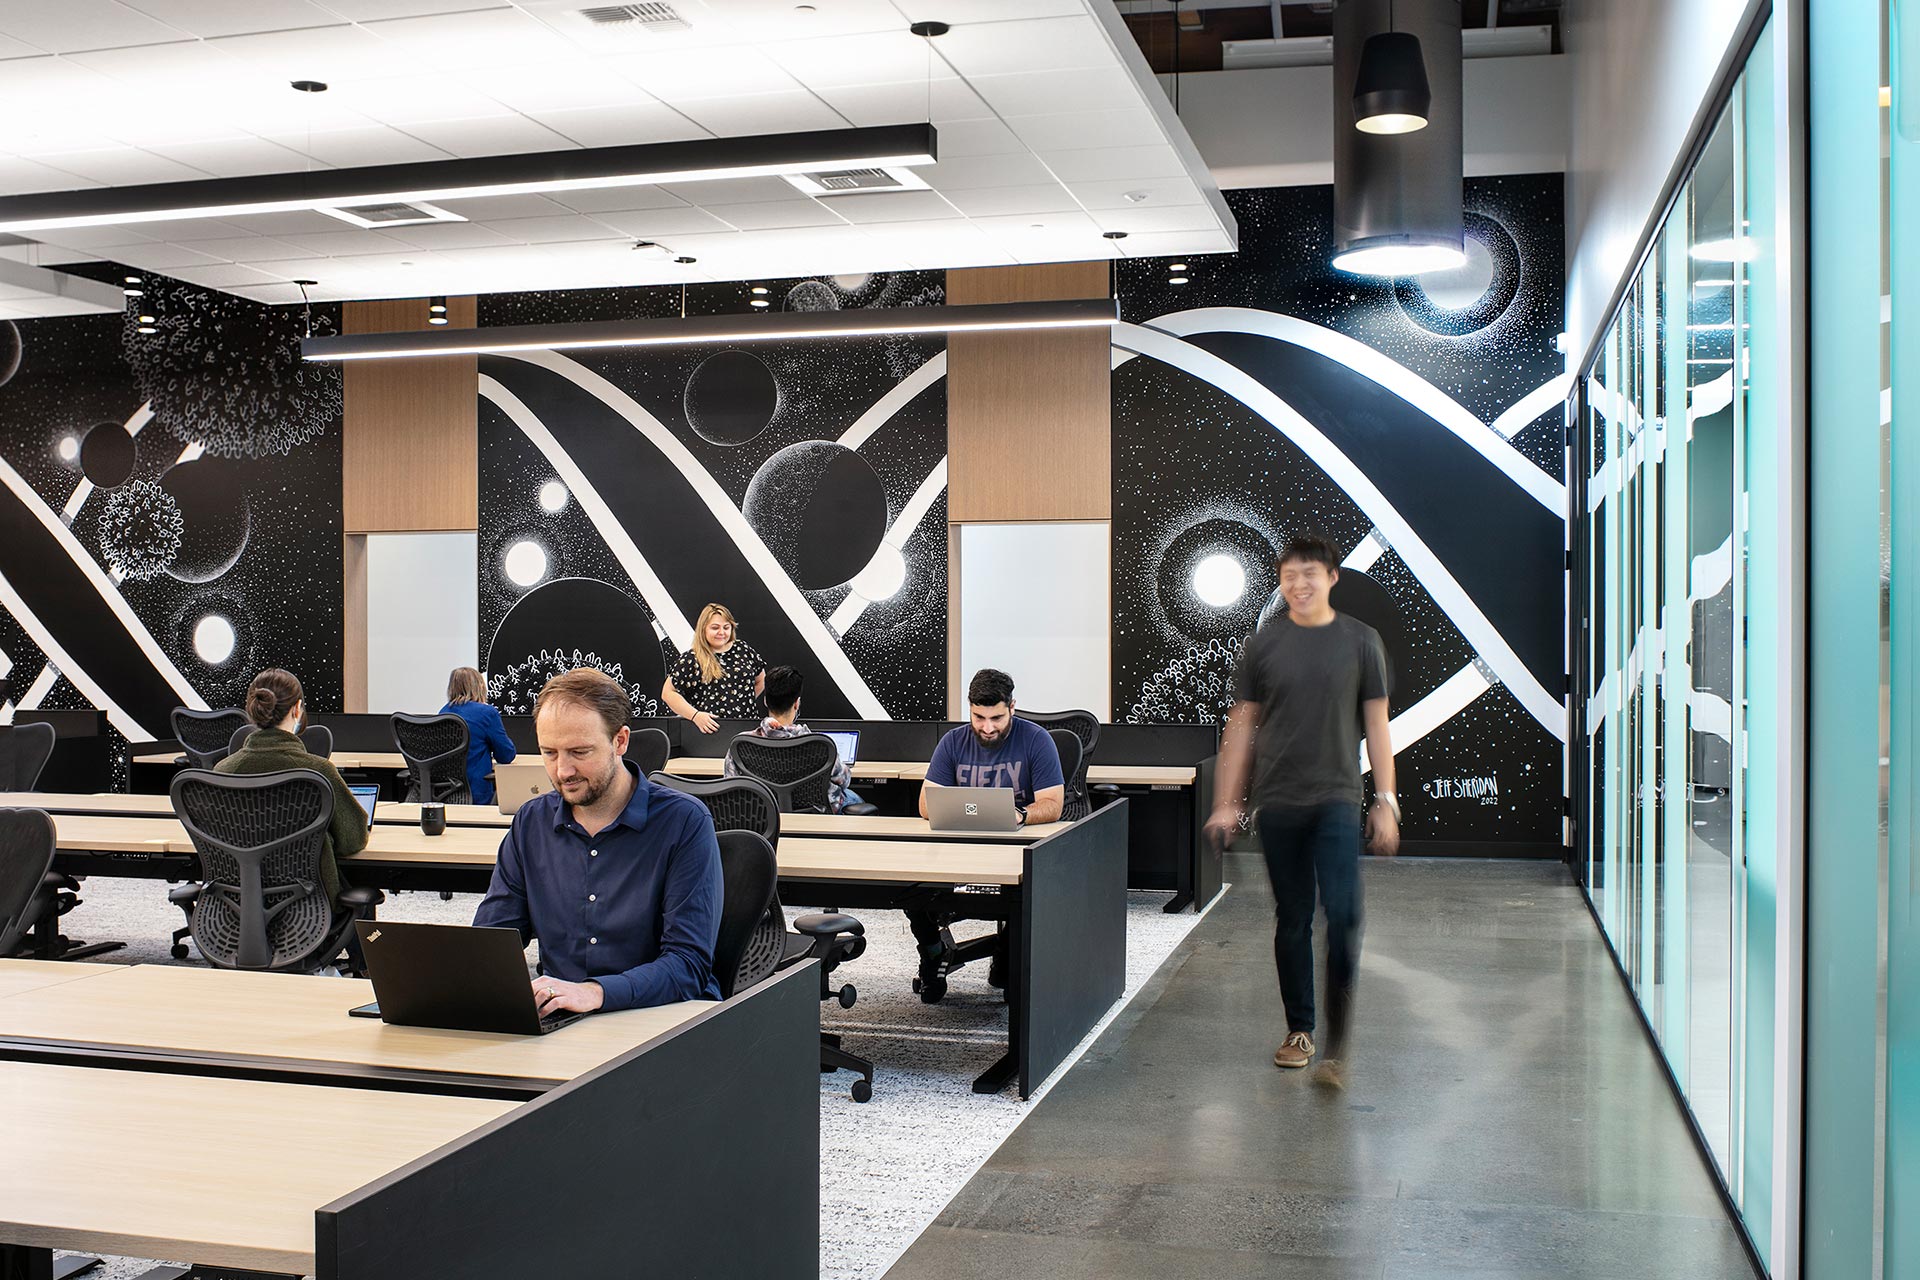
(327, 190)
(1077, 313)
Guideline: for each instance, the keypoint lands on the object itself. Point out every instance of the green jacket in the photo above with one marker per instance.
(270, 750)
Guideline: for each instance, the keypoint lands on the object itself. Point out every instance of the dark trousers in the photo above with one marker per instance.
(1305, 848)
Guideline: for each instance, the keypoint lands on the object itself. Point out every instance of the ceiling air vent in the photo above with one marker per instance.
(389, 213)
(850, 182)
(650, 17)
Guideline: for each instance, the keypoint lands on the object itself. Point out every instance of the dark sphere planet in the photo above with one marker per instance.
(213, 506)
(731, 398)
(821, 510)
(11, 349)
(107, 455)
(1180, 593)
(568, 623)
(1360, 596)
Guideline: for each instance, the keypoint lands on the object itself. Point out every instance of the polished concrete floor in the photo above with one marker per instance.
(1506, 1118)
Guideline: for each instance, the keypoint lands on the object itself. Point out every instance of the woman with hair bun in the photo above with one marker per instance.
(278, 708)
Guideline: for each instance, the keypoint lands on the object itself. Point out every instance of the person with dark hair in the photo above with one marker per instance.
(487, 740)
(782, 699)
(618, 879)
(994, 749)
(1309, 684)
(278, 708)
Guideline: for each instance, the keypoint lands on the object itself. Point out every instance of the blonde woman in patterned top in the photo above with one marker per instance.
(720, 678)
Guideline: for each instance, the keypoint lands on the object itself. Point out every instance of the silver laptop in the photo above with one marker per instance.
(971, 809)
(515, 784)
(847, 743)
(369, 798)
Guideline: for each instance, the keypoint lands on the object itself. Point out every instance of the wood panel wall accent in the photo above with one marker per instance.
(1028, 412)
(409, 450)
(353, 623)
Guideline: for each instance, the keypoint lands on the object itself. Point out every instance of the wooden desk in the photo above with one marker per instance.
(20, 976)
(295, 1028)
(225, 1172)
(1141, 775)
(842, 826)
(900, 861)
(341, 759)
(115, 834)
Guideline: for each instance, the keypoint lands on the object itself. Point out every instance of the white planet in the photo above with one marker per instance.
(885, 574)
(1220, 580)
(553, 496)
(213, 639)
(525, 563)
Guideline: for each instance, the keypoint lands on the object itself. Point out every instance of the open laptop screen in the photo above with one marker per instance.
(848, 742)
(369, 798)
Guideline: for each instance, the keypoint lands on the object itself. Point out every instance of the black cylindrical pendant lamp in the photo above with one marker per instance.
(1397, 196)
(1390, 94)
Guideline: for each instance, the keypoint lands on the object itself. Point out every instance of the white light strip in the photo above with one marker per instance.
(748, 332)
(457, 192)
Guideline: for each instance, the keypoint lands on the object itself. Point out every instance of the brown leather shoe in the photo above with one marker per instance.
(1331, 1074)
(1295, 1051)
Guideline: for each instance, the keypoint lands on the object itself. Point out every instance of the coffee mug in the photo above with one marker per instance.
(433, 818)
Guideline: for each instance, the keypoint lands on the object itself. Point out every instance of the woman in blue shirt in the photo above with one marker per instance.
(487, 741)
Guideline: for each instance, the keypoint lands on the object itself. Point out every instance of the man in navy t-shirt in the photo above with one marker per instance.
(996, 749)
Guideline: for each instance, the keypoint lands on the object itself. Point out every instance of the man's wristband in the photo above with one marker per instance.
(1390, 800)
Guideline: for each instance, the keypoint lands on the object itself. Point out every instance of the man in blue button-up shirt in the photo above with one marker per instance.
(619, 879)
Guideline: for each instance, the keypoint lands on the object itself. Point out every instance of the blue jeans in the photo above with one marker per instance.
(1317, 846)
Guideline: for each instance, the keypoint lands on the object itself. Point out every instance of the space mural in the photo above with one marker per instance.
(1417, 424)
(801, 484)
(169, 506)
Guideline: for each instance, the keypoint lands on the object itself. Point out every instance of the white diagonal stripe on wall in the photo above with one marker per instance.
(1455, 694)
(129, 727)
(882, 410)
(78, 497)
(826, 648)
(1453, 600)
(910, 517)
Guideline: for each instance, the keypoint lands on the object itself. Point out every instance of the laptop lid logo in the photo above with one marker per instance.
(973, 810)
(374, 936)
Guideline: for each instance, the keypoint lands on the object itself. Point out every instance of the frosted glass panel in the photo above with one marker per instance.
(1034, 603)
(423, 617)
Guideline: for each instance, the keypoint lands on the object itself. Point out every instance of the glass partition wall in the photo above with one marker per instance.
(1676, 444)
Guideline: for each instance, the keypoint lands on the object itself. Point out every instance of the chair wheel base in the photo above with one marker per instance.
(178, 951)
(847, 996)
(862, 1091)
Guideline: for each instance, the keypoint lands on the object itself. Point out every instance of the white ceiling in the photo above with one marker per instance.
(1052, 131)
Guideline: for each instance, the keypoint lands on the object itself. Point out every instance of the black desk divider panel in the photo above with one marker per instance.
(1209, 864)
(696, 1157)
(1168, 744)
(82, 759)
(1074, 968)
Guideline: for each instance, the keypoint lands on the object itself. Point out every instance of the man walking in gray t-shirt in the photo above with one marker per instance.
(1308, 684)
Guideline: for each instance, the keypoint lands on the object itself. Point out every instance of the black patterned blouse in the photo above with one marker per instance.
(731, 697)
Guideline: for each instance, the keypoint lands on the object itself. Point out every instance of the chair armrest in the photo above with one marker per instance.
(828, 925)
(359, 896)
(58, 880)
(183, 895)
(861, 810)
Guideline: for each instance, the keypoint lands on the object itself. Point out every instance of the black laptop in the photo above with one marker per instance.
(453, 976)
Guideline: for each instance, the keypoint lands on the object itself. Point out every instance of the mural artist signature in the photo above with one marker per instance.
(1486, 790)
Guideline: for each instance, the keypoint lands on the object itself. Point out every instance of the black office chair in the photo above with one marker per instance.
(206, 736)
(316, 738)
(1072, 766)
(1085, 726)
(799, 769)
(435, 749)
(649, 748)
(737, 804)
(32, 747)
(754, 942)
(261, 904)
(30, 908)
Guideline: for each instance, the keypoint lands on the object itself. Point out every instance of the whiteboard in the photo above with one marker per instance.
(1035, 602)
(423, 617)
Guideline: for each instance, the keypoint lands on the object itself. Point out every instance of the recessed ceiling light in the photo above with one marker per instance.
(1176, 280)
(759, 289)
(131, 280)
(1176, 266)
(131, 292)
(436, 319)
(685, 261)
(309, 86)
(761, 302)
(146, 319)
(929, 29)
(1137, 197)
(147, 328)
(1400, 259)
(438, 306)
(1113, 235)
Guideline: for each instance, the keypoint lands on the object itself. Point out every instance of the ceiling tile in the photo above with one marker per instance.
(223, 275)
(761, 113)
(98, 237)
(1047, 197)
(769, 214)
(705, 73)
(1160, 193)
(958, 173)
(1058, 223)
(19, 176)
(553, 230)
(252, 249)
(621, 126)
(1192, 217)
(11, 48)
(73, 25)
(490, 208)
(1036, 44)
(733, 190)
(289, 222)
(964, 11)
(121, 166)
(1154, 244)
(162, 257)
(326, 54)
(345, 243)
(1033, 93)
(651, 224)
(445, 235)
(409, 100)
(495, 38)
(880, 57)
(567, 84)
(352, 148)
(194, 231)
(599, 200)
(206, 18)
(906, 102)
(781, 20)
(238, 157)
(1115, 164)
(1084, 130)
(893, 206)
(501, 136)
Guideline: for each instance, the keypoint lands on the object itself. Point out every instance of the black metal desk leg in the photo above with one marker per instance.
(19, 1262)
(1007, 1066)
(72, 1264)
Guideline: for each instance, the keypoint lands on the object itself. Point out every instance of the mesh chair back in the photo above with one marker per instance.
(752, 930)
(316, 738)
(26, 855)
(32, 746)
(1071, 766)
(799, 770)
(737, 804)
(205, 736)
(1085, 727)
(649, 748)
(435, 748)
(260, 838)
